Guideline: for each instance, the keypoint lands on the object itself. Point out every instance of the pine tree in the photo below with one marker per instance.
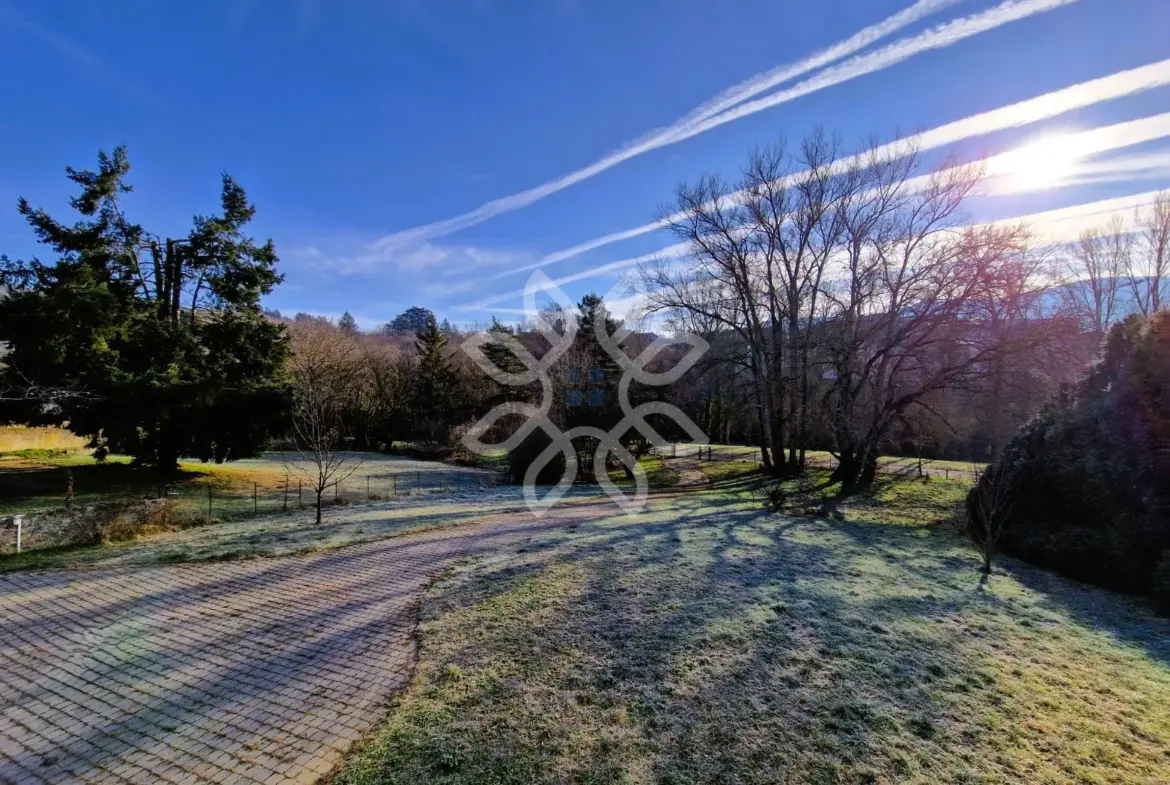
(163, 343)
(436, 398)
(347, 324)
(412, 320)
(598, 383)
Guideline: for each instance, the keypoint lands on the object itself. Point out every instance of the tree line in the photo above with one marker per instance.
(849, 301)
(855, 307)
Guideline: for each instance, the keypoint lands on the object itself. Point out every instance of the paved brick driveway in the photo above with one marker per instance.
(262, 671)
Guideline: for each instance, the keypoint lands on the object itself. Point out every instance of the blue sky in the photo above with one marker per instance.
(361, 129)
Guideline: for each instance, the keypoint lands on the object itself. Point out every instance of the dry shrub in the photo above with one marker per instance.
(136, 519)
(14, 438)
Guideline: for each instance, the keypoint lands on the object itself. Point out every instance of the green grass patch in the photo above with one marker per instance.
(893, 499)
(659, 473)
(710, 641)
(721, 471)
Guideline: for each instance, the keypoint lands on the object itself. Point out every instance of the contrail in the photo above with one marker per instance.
(768, 79)
(678, 249)
(1052, 226)
(941, 36)
(1015, 115)
(1065, 225)
(1086, 143)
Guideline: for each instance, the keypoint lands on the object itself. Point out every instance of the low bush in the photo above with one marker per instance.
(1160, 584)
(35, 453)
(527, 452)
(138, 519)
(1090, 475)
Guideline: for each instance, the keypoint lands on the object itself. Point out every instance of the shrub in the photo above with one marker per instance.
(527, 452)
(1090, 473)
(136, 519)
(1160, 584)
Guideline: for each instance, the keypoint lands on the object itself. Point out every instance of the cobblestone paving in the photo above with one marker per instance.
(261, 671)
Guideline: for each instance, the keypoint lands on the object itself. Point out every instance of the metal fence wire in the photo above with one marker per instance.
(890, 465)
(224, 501)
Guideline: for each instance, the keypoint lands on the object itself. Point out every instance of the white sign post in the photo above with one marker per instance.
(17, 520)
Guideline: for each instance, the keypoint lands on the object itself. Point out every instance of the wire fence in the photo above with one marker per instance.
(241, 499)
(890, 465)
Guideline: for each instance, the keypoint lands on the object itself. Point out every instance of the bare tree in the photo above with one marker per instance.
(757, 253)
(907, 318)
(989, 504)
(1093, 273)
(1149, 268)
(327, 371)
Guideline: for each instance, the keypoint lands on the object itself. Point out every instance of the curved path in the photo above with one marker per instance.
(261, 671)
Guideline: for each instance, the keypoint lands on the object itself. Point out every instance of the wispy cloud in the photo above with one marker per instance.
(1016, 115)
(1053, 227)
(1063, 159)
(1122, 168)
(443, 260)
(486, 303)
(1066, 224)
(702, 119)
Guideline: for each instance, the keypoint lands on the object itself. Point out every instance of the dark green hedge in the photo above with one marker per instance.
(1090, 476)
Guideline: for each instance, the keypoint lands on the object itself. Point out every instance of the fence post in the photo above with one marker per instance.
(418, 482)
(368, 487)
(209, 502)
(255, 498)
(673, 450)
(299, 502)
(393, 484)
(948, 473)
(284, 506)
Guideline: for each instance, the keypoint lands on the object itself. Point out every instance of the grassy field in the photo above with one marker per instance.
(38, 481)
(709, 641)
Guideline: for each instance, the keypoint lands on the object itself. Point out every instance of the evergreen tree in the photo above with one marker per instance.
(597, 380)
(347, 324)
(162, 343)
(436, 398)
(1088, 480)
(412, 320)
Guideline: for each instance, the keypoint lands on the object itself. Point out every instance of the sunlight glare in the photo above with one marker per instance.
(1041, 164)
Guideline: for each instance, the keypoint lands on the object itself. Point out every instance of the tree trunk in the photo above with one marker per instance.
(846, 469)
(868, 470)
(856, 470)
(320, 491)
(166, 450)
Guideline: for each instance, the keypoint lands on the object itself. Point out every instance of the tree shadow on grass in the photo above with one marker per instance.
(1128, 618)
(712, 629)
(715, 642)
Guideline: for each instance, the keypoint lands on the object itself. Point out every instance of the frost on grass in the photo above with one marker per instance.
(277, 534)
(710, 642)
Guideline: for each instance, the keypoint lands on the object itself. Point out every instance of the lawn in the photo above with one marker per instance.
(285, 534)
(710, 641)
(38, 480)
(887, 464)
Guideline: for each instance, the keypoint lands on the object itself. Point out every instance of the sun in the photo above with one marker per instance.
(1041, 164)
